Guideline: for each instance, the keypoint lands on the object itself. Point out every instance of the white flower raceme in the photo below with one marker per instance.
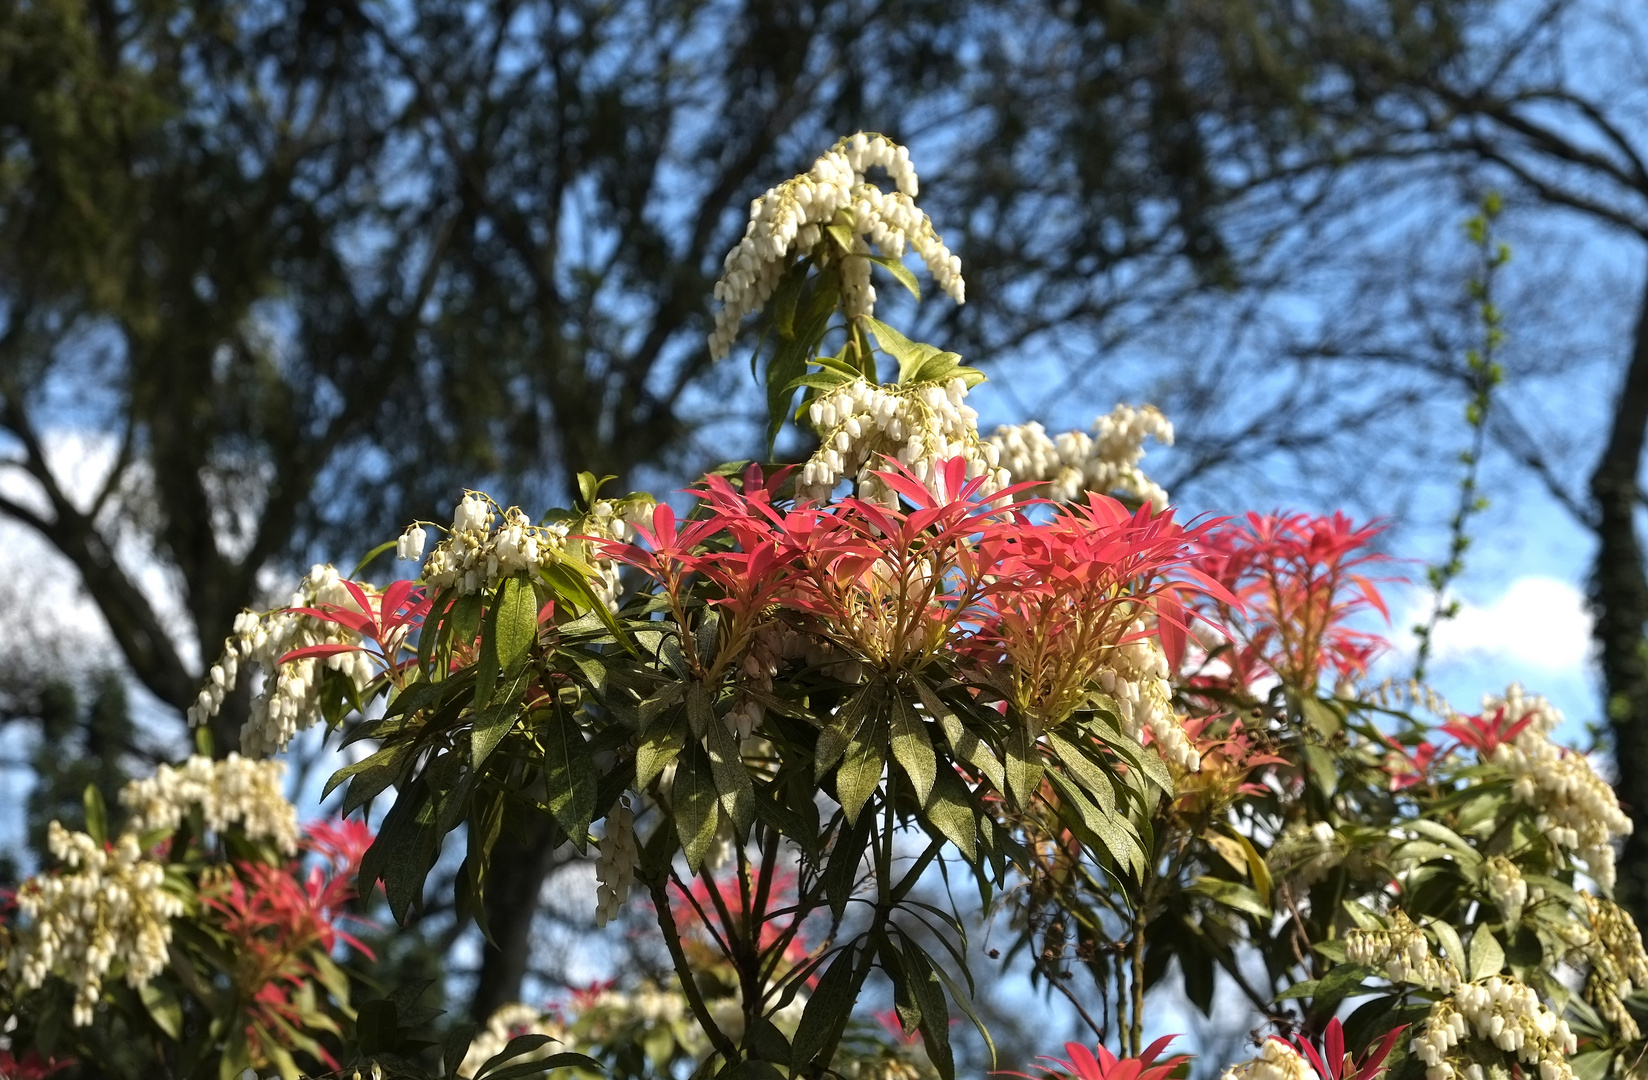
(1503, 1013)
(504, 1024)
(1506, 886)
(1276, 1060)
(1577, 808)
(859, 425)
(615, 866)
(290, 698)
(1403, 953)
(790, 221)
(234, 791)
(1616, 965)
(107, 906)
(477, 553)
(1135, 675)
(1105, 461)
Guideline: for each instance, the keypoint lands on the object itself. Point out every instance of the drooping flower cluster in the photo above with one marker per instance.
(289, 700)
(1105, 460)
(1506, 886)
(478, 552)
(615, 866)
(789, 221)
(1503, 1013)
(861, 426)
(1404, 955)
(1616, 962)
(234, 791)
(1136, 678)
(108, 905)
(1276, 1060)
(1577, 810)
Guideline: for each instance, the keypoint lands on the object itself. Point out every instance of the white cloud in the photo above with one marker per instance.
(1537, 624)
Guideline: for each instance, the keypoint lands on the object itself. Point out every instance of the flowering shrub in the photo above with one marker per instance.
(774, 712)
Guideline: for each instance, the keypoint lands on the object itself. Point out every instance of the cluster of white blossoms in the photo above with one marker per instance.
(1611, 950)
(860, 424)
(478, 552)
(1403, 954)
(1106, 460)
(615, 865)
(234, 791)
(1506, 886)
(1577, 808)
(1135, 675)
(289, 700)
(106, 906)
(506, 1023)
(1276, 1060)
(1503, 1013)
(790, 220)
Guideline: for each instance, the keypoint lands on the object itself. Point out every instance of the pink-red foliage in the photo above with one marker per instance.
(1299, 579)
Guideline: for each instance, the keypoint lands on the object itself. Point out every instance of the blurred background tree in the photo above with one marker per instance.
(278, 277)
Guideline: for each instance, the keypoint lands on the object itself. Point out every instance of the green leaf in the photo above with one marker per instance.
(1113, 833)
(658, 747)
(696, 804)
(912, 748)
(901, 273)
(164, 1008)
(846, 854)
(1324, 716)
(910, 356)
(1468, 855)
(950, 810)
(1024, 769)
(465, 619)
(861, 768)
(1333, 949)
(967, 746)
(97, 814)
(376, 1029)
(819, 380)
(1232, 895)
(1591, 1065)
(700, 710)
(831, 1002)
(924, 988)
(1255, 866)
(1452, 947)
(569, 773)
(1093, 779)
(1321, 769)
(784, 297)
(1361, 916)
(455, 1047)
(1341, 981)
(404, 849)
(1487, 956)
(517, 621)
(789, 361)
(497, 720)
(732, 780)
(842, 728)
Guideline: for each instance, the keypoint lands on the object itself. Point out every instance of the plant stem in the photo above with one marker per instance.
(684, 974)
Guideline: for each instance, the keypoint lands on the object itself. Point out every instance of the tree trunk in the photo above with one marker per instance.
(1619, 605)
(522, 860)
